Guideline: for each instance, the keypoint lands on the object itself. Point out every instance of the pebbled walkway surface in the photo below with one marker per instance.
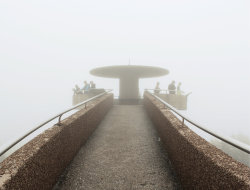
(124, 153)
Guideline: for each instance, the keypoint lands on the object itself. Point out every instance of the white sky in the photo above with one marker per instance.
(48, 46)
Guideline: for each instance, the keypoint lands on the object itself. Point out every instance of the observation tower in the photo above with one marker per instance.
(129, 76)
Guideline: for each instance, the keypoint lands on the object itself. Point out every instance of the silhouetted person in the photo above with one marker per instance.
(77, 90)
(157, 88)
(92, 85)
(179, 91)
(86, 87)
(171, 87)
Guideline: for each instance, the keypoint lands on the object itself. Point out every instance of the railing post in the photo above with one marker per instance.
(59, 120)
(51, 119)
(230, 141)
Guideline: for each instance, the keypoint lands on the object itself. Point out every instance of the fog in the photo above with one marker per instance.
(46, 47)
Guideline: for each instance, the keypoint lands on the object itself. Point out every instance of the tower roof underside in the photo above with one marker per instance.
(131, 70)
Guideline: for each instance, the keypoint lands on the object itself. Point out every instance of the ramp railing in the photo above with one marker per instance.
(243, 147)
(59, 116)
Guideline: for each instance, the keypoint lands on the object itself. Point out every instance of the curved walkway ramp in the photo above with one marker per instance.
(39, 163)
(198, 164)
(124, 152)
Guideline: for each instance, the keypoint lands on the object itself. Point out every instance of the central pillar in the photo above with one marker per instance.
(129, 88)
(129, 76)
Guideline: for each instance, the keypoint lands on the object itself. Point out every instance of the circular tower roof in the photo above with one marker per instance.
(129, 70)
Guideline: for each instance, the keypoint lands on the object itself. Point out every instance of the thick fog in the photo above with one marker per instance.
(46, 47)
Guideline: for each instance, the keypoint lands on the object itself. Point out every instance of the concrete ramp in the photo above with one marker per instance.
(123, 153)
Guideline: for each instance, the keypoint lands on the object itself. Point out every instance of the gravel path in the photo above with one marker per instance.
(124, 153)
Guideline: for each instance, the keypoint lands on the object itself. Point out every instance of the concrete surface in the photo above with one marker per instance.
(38, 164)
(198, 164)
(124, 153)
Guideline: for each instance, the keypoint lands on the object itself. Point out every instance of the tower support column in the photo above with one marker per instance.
(129, 87)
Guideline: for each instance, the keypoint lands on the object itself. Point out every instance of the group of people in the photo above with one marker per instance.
(85, 89)
(172, 89)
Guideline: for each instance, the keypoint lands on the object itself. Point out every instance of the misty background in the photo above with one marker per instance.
(46, 47)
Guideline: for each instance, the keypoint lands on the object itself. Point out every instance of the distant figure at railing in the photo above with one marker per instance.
(157, 88)
(172, 88)
(179, 91)
(92, 85)
(86, 87)
(77, 90)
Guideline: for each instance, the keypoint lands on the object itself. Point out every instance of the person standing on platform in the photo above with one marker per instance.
(157, 88)
(179, 91)
(77, 90)
(86, 87)
(92, 85)
(172, 88)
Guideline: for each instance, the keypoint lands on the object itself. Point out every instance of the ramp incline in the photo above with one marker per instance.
(124, 152)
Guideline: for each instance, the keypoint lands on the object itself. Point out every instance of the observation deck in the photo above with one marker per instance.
(108, 146)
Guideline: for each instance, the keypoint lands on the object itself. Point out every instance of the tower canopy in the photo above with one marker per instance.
(129, 77)
(124, 70)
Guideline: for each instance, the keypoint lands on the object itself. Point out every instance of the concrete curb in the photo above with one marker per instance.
(198, 164)
(39, 163)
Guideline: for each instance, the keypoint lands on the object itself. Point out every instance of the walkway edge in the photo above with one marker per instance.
(198, 164)
(39, 163)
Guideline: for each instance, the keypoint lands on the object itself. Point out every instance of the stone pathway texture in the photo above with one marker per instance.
(124, 153)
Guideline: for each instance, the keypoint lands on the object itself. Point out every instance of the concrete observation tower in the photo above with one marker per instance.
(129, 76)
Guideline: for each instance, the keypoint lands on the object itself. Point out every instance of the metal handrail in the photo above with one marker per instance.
(231, 141)
(44, 123)
(157, 89)
(168, 91)
(160, 90)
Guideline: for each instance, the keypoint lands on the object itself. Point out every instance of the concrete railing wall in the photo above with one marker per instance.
(39, 163)
(198, 164)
